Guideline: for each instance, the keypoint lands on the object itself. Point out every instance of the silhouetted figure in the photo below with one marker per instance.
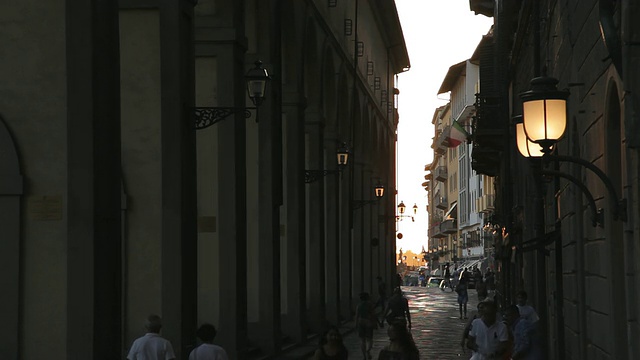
(397, 310)
(208, 350)
(524, 341)
(401, 345)
(463, 297)
(366, 321)
(331, 346)
(526, 311)
(151, 346)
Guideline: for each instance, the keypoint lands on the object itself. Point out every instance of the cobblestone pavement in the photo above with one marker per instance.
(436, 325)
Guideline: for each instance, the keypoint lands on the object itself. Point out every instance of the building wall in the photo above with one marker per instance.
(215, 225)
(33, 106)
(595, 319)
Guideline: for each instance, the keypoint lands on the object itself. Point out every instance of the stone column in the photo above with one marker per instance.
(93, 205)
(220, 48)
(270, 175)
(294, 321)
(332, 234)
(178, 191)
(316, 222)
(11, 189)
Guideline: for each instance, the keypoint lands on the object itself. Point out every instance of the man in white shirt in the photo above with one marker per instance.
(488, 337)
(151, 346)
(526, 311)
(207, 351)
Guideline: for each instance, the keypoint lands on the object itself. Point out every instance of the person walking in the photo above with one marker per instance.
(481, 289)
(488, 337)
(382, 298)
(446, 282)
(151, 346)
(331, 346)
(401, 345)
(463, 297)
(526, 311)
(524, 345)
(467, 327)
(207, 350)
(366, 321)
(397, 310)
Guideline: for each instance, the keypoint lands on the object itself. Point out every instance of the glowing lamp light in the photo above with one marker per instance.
(526, 147)
(544, 112)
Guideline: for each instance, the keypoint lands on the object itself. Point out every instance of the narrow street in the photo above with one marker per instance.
(436, 326)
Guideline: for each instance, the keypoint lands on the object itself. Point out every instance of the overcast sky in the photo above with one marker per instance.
(438, 35)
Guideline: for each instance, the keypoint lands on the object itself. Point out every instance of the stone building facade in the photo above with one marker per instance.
(580, 270)
(114, 206)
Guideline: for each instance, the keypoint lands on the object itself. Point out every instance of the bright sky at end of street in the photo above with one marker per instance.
(438, 35)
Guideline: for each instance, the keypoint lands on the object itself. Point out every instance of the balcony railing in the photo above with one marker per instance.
(441, 203)
(449, 226)
(441, 174)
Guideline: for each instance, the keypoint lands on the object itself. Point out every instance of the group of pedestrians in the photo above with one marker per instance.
(513, 337)
(152, 346)
(395, 312)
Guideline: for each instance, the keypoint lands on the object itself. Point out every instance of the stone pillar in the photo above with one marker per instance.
(270, 175)
(157, 67)
(93, 205)
(316, 234)
(294, 321)
(346, 251)
(220, 48)
(178, 192)
(332, 235)
(11, 188)
(358, 235)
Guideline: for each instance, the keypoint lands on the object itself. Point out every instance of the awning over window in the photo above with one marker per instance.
(452, 212)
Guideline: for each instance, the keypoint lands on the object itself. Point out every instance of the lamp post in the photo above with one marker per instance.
(378, 190)
(401, 210)
(342, 157)
(544, 109)
(257, 79)
(544, 121)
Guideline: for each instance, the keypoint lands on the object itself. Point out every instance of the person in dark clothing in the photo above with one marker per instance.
(382, 298)
(446, 282)
(490, 279)
(398, 280)
(331, 346)
(481, 289)
(397, 310)
(463, 297)
(401, 345)
(366, 321)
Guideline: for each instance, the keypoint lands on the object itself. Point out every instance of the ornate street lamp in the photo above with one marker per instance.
(379, 190)
(544, 112)
(343, 154)
(401, 207)
(379, 193)
(257, 79)
(526, 147)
